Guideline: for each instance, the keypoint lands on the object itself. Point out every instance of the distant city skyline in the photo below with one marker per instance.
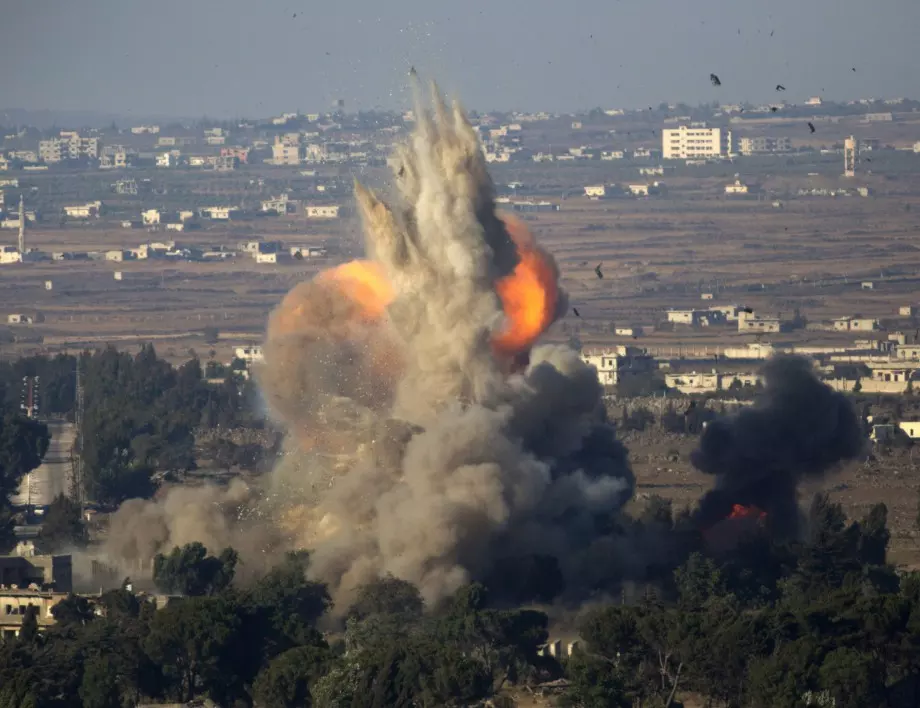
(243, 59)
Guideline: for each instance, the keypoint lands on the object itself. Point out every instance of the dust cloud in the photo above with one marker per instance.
(428, 436)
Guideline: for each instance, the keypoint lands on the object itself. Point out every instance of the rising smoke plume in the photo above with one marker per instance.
(798, 428)
(430, 437)
(421, 444)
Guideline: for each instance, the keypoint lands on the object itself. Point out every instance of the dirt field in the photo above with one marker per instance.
(808, 253)
(775, 253)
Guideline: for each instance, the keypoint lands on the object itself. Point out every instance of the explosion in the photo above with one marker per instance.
(430, 437)
(448, 458)
(530, 295)
(739, 511)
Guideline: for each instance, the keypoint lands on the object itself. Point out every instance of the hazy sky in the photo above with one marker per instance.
(233, 58)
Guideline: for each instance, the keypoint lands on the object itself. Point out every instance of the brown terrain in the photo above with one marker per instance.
(776, 252)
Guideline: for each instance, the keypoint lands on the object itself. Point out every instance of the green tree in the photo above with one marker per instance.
(387, 596)
(73, 610)
(62, 526)
(23, 444)
(211, 335)
(99, 687)
(594, 683)
(191, 571)
(195, 642)
(286, 681)
(874, 536)
(28, 631)
(853, 678)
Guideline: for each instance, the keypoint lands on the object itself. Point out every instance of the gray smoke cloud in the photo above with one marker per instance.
(417, 446)
(456, 461)
(216, 516)
(422, 440)
(798, 428)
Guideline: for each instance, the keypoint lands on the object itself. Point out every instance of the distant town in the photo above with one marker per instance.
(275, 192)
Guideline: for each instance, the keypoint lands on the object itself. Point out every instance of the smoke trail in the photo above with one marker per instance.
(798, 428)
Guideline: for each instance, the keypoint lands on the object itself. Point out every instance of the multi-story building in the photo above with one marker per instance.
(750, 322)
(286, 152)
(753, 146)
(615, 363)
(240, 153)
(69, 146)
(687, 142)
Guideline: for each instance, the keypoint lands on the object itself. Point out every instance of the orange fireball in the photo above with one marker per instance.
(363, 282)
(529, 294)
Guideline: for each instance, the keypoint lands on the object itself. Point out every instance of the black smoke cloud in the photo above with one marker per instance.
(799, 428)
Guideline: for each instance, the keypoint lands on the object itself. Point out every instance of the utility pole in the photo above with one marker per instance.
(78, 491)
(22, 227)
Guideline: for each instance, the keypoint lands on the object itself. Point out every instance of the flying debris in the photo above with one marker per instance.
(811, 127)
(598, 272)
(854, 68)
(575, 310)
(715, 80)
(780, 87)
(773, 109)
(771, 32)
(412, 71)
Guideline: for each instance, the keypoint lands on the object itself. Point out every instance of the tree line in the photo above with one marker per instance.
(825, 621)
(140, 413)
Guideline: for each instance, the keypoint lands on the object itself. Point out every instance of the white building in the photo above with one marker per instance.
(737, 188)
(252, 353)
(218, 213)
(596, 191)
(687, 142)
(115, 256)
(69, 146)
(763, 145)
(286, 150)
(150, 217)
(707, 383)
(307, 251)
(323, 212)
(750, 322)
(685, 317)
(167, 159)
(911, 428)
(83, 211)
(271, 258)
(10, 254)
(615, 363)
(909, 351)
